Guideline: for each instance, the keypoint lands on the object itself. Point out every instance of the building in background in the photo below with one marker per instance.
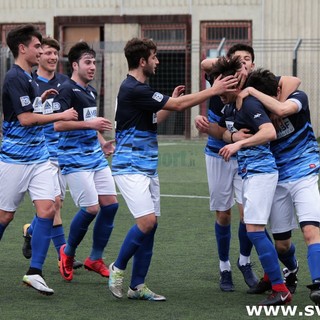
(284, 33)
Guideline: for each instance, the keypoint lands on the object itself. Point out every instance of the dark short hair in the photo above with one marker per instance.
(264, 81)
(78, 50)
(51, 42)
(225, 67)
(21, 35)
(136, 49)
(240, 47)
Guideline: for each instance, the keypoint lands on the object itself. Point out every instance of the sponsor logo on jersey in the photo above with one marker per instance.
(157, 96)
(25, 100)
(37, 105)
(154, 118)
(89, 113)
(257, 115)
(76, 90)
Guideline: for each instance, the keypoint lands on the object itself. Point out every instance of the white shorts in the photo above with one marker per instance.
(224, 183)
(258, 193)
(60, 180)
(86, 186)
(17, 179)
(300, 197)
(141, 193)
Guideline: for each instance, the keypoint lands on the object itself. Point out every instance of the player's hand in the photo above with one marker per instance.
(108, 147)
(48, 93)
(70, 114)
(201, 123)
(178, 91)
(242, 76)
(101, 124)
(229, 150)
(227, 84)
(277, 121)
(241, 134)
(241, 96)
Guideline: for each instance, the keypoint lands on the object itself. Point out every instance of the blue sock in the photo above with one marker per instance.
(129, 247)
(103, 227)
(267, 255)
(142, 259)
(2, 228)
(78, 229)
(268, 235)
(314, 261)
(288, 258)
(223, 237)
(32, 225)
(57, 236)
(244, 241)
(40, 242)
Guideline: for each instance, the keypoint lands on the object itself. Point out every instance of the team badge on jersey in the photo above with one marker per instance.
(157, 96)
(89, 113)
(25, 101)
(56, 106)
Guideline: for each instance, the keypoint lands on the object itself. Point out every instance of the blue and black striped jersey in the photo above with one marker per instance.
(79, 150)
(51, 136)
(296, 149)
(258, 159)
(136, 128)
(21, 144)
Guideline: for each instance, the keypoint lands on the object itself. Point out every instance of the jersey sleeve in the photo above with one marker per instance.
(255, 113)
(17, 92)
(148, 99)
(63, 100)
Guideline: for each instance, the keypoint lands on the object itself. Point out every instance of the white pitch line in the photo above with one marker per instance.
(183, 196)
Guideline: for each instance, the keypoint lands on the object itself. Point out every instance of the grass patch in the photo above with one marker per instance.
(184, 266)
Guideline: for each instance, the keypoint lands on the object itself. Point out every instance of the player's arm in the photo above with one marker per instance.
(99, 124)
(227, 84)
(212, 129)
(281, 109)
(288, 85)
(265, 134)
(162, 115)
(231, 137)
(36, 119)
(106, 146)
(206, 64)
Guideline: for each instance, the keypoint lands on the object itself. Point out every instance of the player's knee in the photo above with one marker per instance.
(310, 231)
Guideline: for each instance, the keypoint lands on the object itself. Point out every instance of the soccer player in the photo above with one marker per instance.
(225, 183)
(47, 78)
(297, 157)
(134, 164)
(82, 161)
(259, 172)
(24, 164)
(223, 179)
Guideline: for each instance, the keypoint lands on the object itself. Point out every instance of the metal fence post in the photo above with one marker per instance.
(295, 57)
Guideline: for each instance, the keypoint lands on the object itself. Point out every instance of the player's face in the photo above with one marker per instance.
(49, 58)
(228, 97)
(86, 68)
(151, 65)
(246, 59)
(32, 52)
